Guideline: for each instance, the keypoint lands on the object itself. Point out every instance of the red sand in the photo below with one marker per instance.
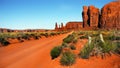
(36, 54)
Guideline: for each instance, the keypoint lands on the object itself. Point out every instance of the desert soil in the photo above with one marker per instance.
(36, 54)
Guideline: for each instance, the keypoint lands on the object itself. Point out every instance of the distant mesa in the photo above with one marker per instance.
(93, 18)
(69, 26)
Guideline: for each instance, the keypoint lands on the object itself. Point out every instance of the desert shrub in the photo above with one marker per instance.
(72, 47)
(110, 37)
(67, 58)
(58, 33)
(64, 45)
(44, 34)
(117, 38)
(36, 37)
(94, 35)
(85, 52)
(68, 39)
(117, 50)
(55, 52)
(107, 47)
(4, 42)
(19, 38)
(84, 37)
(75, 41)
(52, 34)
(81, 33)
(25, 36)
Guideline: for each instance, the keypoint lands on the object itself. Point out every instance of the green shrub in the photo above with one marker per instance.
(4, 42)
(117, 50)
(52, 34)
(36, 37)
(110, 37)
(26, 36)
(44, 34)
(108, 46)
(85, 52)
(55, 52)
(81, 33)
(64, 45)
(72, 47)
(84, 37)
(68, 39)
(67, 58)
(75, 41)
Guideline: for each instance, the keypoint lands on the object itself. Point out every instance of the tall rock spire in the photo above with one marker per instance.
(56, 26)
(61, 25)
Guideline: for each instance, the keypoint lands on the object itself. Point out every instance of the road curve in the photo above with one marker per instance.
(29, 54)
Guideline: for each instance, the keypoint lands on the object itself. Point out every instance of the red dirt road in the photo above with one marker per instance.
(29, 54)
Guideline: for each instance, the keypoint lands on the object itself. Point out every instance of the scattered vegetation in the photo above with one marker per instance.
(117, 49)
(85, 52)
(22, 36)
(55, 52)
(72, 47)
(100, 43)
(68, 39)
(4, 42)
(67, 58)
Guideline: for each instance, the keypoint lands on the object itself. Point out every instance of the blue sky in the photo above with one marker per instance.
(42, 14)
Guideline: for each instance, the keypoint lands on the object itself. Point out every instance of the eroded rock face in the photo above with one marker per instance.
(74, 25)
(90, 16)
(85, 16)
(110, 16)
(93, 15)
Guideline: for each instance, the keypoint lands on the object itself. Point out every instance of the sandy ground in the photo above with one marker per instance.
(29, 54)
(36, 54)
(112, 61)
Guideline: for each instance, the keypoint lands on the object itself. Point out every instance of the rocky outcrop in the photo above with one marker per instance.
(93, 16)
(56, 26)
(74, 25)
(90, 16)
(69, 26)
(110, 16)
(85, 16)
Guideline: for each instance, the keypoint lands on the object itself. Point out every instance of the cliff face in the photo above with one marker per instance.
(110, 16)
(93, 14)
(74, 25)
(85, 16)
(90, 16)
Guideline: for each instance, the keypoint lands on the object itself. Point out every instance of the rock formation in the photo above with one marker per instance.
(110, 16)
(93, 16)
(56, 26)
(90, 16)
(74, 25)
(85, 16)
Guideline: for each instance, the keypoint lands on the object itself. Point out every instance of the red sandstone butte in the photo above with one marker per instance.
(85, 16)
(74, 25)
(110, 16)
(90, 16)
(93, 14)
